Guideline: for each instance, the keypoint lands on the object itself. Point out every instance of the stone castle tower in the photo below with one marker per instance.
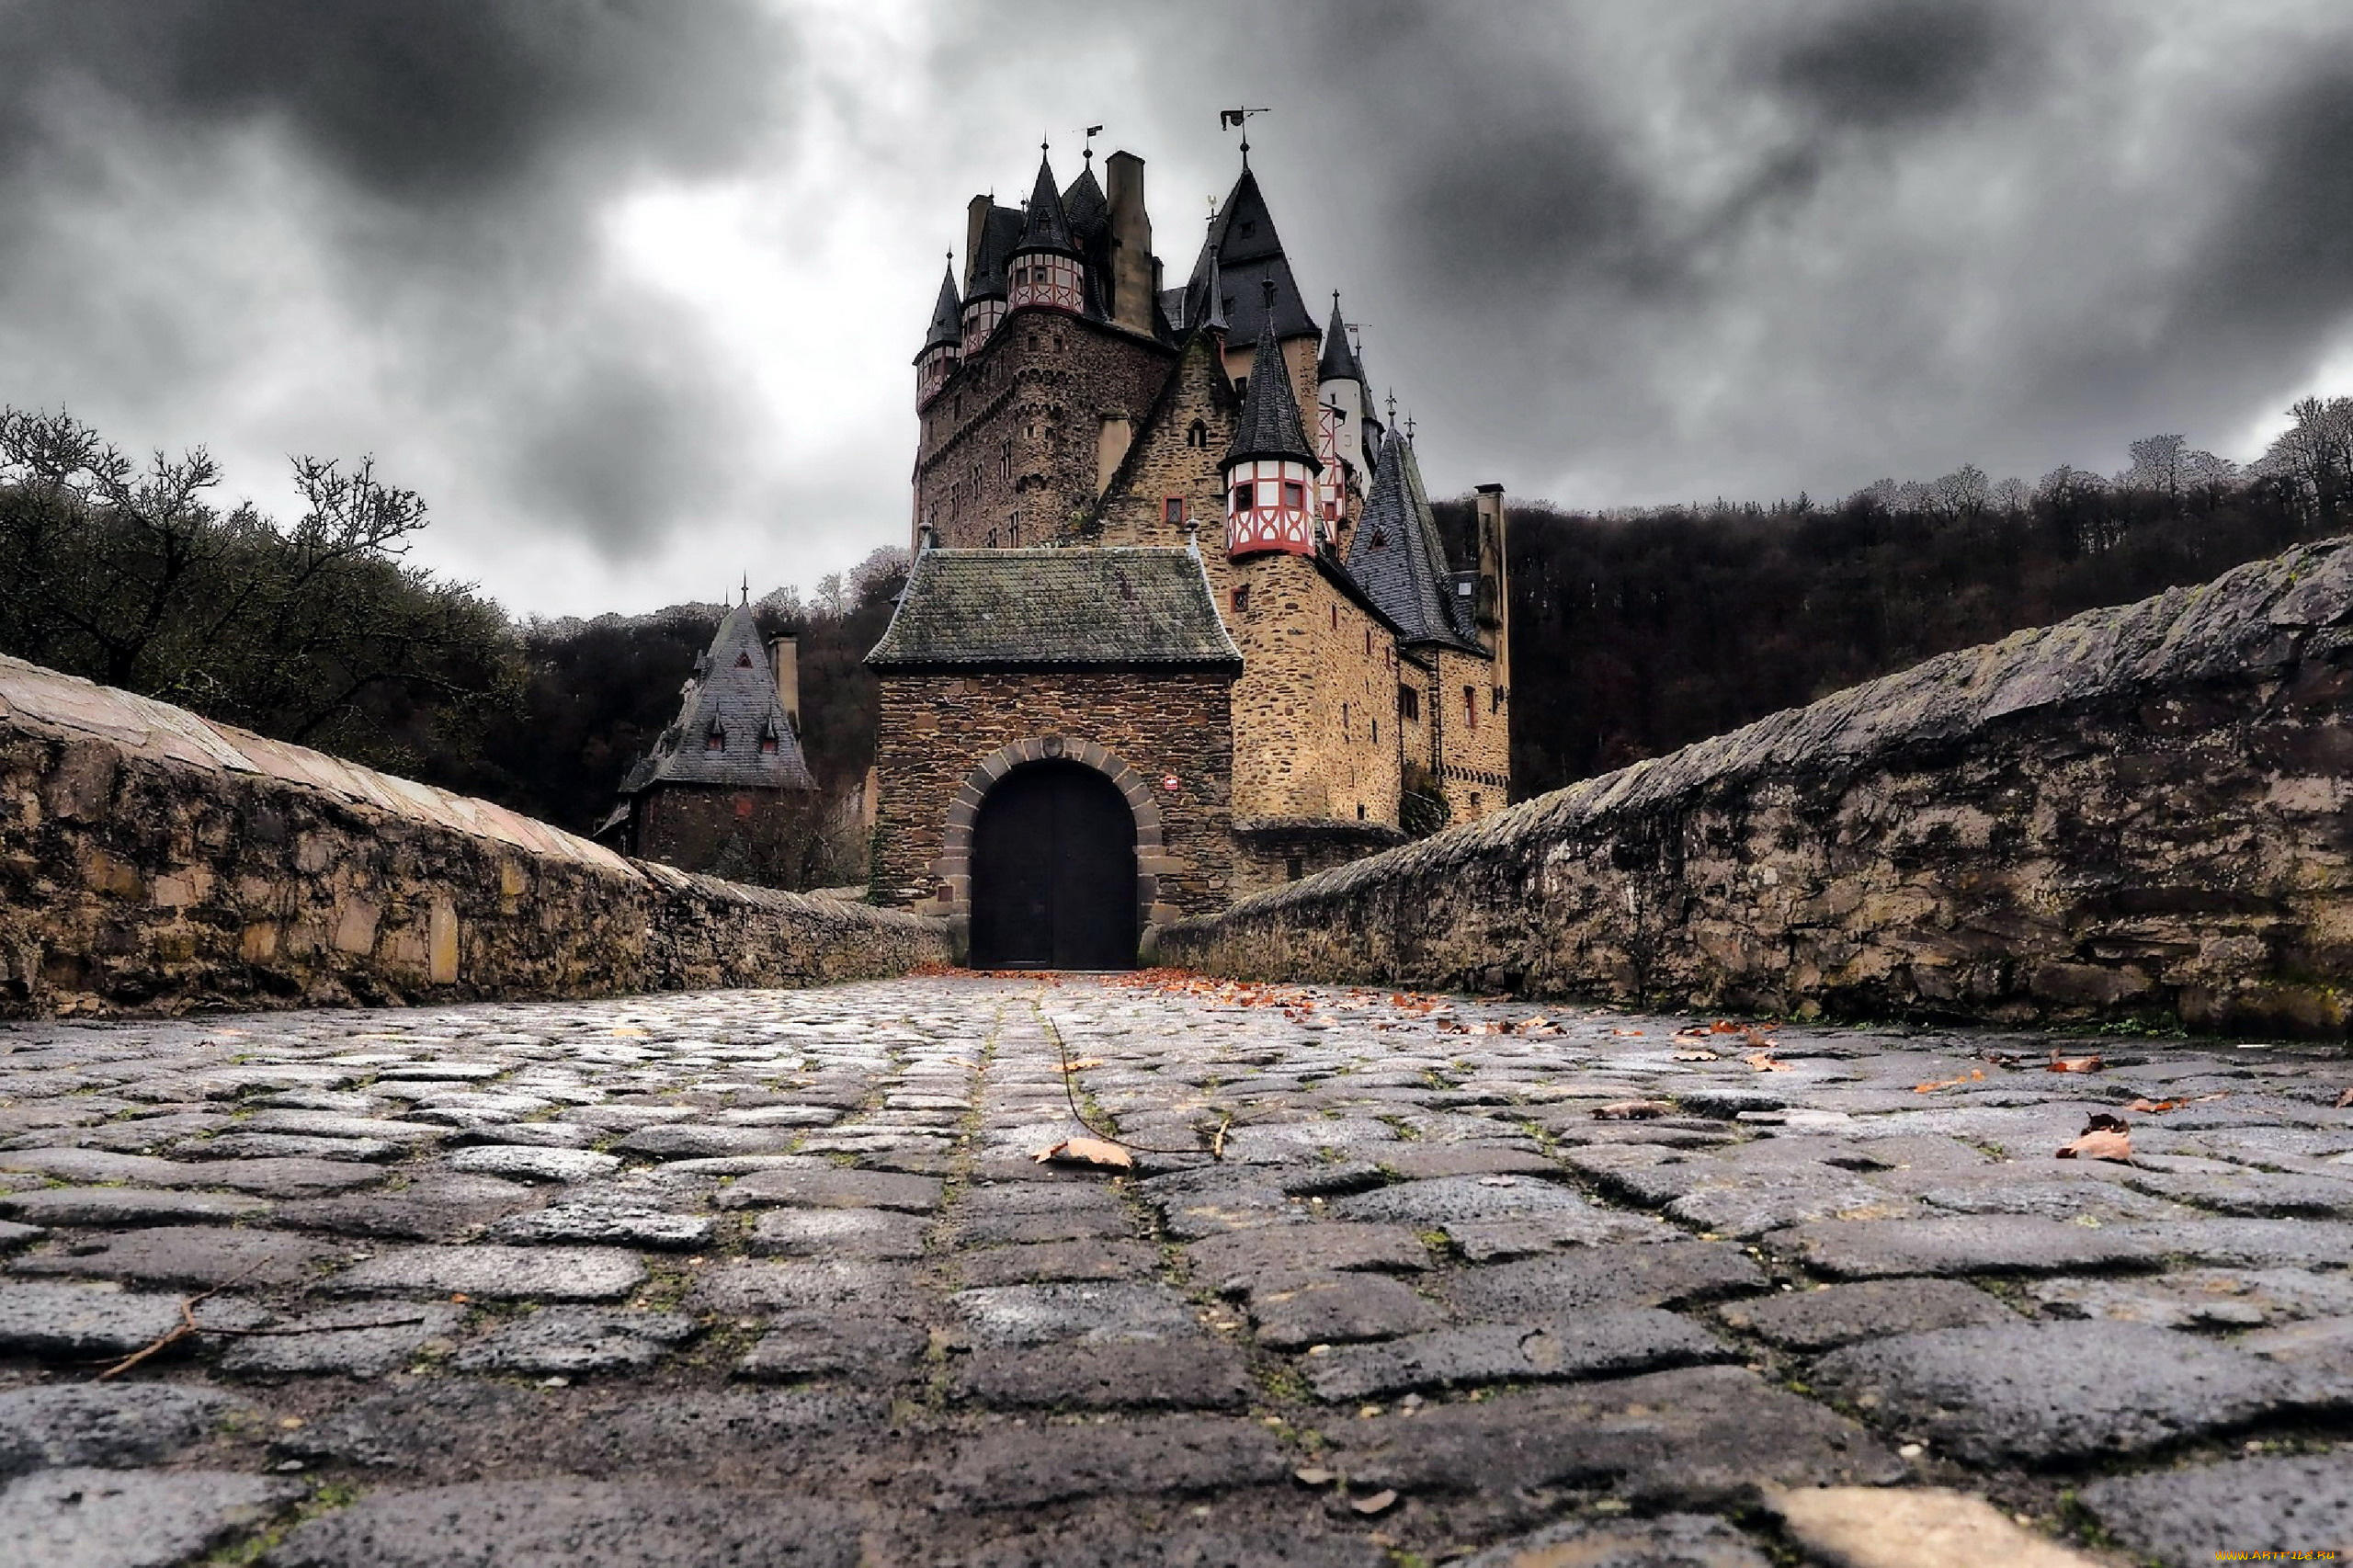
(1180, 625)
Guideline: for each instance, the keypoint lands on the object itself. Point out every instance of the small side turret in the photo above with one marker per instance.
(1270, 471)
(943, 344)
(1044, 268)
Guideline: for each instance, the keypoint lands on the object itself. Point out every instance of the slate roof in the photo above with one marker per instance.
(734, 690)
(1269, 425)
(1046, 227)
(1339, 362)
(1248, 252)
(1395, 554)
(1000, 232)
(1084, 205)
(946, 317)
(1025, 607)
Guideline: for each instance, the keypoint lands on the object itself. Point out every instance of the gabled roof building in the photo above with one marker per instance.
(1181, 624)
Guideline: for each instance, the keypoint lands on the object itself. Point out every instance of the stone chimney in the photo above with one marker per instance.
(1492, 607)
(784, 659)
(1133, 266)
(976, 218)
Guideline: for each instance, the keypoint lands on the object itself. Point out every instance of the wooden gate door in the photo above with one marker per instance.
(1055, 872)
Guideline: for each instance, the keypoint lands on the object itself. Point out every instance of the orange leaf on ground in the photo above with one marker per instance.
(2344, 1100)
(2151, 1108)
(1697, 1056)
(2077, 1063)
(2105, 1137)
(1089, 1152)
(1374, 1503)
(1082, 1061)
(1972, 1075)
(1633, 1110)
(1764, 1062)
(1632, 1034)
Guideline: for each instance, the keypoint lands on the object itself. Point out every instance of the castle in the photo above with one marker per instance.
(1179, 624)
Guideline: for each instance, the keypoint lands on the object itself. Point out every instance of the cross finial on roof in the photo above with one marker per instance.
(1409, 428)
(1392, 406)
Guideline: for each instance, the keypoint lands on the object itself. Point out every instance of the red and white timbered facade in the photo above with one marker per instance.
(1271, 504)
(980, 317)
(1044, 278)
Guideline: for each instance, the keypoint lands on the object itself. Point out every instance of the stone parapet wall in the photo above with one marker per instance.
(2139, 813)
(152, 861)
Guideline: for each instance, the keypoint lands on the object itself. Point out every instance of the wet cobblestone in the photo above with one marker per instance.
(775, 1276)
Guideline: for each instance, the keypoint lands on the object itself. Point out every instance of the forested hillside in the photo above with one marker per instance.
(1634, 633)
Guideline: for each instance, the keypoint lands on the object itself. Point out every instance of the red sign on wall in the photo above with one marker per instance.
(1170, 783)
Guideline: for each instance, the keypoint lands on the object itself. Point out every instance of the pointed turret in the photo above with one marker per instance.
(994, 231)
(1045, 268)
(943, 344)
(1339, 361)
(1269, 467)
(1084, 208)
(1269, 425)
(1395, 556)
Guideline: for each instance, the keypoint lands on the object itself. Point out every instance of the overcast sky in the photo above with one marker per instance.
(628, 287)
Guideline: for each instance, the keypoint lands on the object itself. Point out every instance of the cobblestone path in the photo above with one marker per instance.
(772, 1277)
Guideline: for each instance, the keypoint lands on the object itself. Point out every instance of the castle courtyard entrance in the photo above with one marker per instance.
(1054, 872)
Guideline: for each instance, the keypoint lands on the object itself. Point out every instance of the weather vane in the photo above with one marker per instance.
(1087, 152)
(1239, 119)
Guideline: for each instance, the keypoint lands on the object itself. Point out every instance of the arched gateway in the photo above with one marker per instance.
(1054, 862)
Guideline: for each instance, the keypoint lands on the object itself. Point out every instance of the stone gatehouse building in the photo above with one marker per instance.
(1179, 624)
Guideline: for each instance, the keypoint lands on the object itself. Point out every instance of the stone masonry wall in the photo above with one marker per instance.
(1476, 764)
(2138, 812)
(151, 861)
(937, 730)
(1015, 429)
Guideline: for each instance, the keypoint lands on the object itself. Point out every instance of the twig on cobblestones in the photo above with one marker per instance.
(180, 1330)
(1069, 1094)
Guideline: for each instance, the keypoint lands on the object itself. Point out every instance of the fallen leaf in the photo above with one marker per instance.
(2105, 1137)
(2077, 1063)
(1081, 1063)
(1766, 1062)
(1313, 1475)
(1375, 1504)
(1089, 1152)
(2344, 1100)
(1696, 1056)
(1972, 1075)
(1632, 1034)
(1631, 1110)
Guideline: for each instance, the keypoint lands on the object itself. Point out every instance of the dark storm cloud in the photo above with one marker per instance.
(460, 152)
(1875, 65)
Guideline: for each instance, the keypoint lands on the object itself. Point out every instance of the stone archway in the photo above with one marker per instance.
(953, 872)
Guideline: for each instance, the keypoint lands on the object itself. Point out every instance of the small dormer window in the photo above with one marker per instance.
(715, 738)
(743, 661)
(771, 741)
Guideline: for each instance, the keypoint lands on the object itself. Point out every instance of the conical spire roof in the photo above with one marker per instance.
(1339, 362)
(1395, 554)
(1269, 425)
(946, 315)
(1084, 205)
(726, 714)
(1048, 225)
(1000, 234)
(1243, 242)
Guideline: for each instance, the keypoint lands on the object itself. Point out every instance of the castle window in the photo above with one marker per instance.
(1494, 700)
(1242, 494)
(1197, 435)
(1409, 701)
(1292, 869)
(1033, 340)
(1334, 610)
(1367, 640)
(1294, 495)
(1241, 386)
(769, 745)
(1470, 707)
(991, 539)
(715, 739)
(1475, 800)
(1361, 809)
(1172, 511)
(1376, 732)
(1242, 600)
